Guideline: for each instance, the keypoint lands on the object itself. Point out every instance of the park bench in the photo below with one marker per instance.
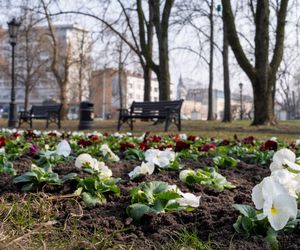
(162, 110)
(50, 113)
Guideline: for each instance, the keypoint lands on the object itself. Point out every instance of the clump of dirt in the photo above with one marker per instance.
(213, 219)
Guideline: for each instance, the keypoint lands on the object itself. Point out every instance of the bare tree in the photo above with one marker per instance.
(60, 61)
(32, 48)
(227, 95)
(263, 74)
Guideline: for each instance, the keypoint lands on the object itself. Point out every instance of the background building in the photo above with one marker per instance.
(105, 91)
(73, 42)
(195, 105)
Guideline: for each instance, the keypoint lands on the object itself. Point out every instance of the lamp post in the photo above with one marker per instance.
(241, 100)
(13, 27)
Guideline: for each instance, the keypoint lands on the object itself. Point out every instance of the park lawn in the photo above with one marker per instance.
(285, 130)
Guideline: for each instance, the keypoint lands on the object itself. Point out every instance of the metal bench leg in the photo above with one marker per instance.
(179, 123)
(59, 125)
(131, 124)
(119, 124)
(30, 122)
(47, 123)
(167, 124)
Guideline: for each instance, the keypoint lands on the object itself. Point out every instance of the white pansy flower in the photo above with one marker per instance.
(106, 150)
(63, 148)
(183, 136)
(274, 198)
(2, 151)
(184, 173)
(288, 180)
(189, 199)
(141, 138)
(145, 168)
(269, 187)
(160, 158)
(77, 133)
(284, 157)
(273, 139)
(297, 142)
(95, 133)
(279, 210)
(118, 135)
(104, 170)
(83, 159)
(37, 132)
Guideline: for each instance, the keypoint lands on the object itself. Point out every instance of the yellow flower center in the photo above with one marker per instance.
(273, 211)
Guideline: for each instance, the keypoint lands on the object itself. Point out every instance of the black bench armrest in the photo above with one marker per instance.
(24, 114)
(123, 112)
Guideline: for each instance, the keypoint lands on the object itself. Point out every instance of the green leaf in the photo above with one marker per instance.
(245, 210)
(272, 238)
(137, 210)
(69, 176)
(91, 200)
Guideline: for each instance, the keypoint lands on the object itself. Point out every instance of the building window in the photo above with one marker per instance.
(155, 89)
(155, 99)
(130, 86)
(130, 95)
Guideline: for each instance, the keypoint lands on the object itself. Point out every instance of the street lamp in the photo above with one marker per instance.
(13, 27)
(241, 100)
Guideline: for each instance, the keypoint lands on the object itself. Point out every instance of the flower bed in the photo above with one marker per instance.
(124, 187)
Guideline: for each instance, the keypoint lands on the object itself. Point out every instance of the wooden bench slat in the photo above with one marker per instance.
(168, 110)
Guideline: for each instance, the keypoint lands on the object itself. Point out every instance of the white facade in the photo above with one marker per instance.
(73, 40)
(135, 89)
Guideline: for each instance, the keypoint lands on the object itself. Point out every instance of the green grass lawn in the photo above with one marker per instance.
(285, 130)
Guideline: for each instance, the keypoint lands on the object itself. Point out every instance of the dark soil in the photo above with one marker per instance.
(213, 220)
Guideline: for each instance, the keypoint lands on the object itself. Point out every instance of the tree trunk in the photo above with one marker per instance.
(161, 26)
(26, 97)
(263, 104)
(64, 101)
(227, 97)
(210, 115)
(147, 80)
(164, 72)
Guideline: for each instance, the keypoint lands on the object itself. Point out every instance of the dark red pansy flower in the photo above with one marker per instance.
(84, 143)
(105, 134)
(292, 145)
(33, 150)
(176, 138)
(16, 134)
(143, 146)
(191, 138)
(94, 138)
(207, 147)
(181, 145)
(225, 142)
(126, 145)
(269, 145)
(154, 138)
(249, 140)
(2, 141)
(52, 134)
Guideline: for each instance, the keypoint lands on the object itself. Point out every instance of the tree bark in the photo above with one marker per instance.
(146, 47)
(147, 81)
(227, 96)
(210, 115)
(161, 24)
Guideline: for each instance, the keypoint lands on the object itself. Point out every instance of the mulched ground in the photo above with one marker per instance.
(212, 220)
